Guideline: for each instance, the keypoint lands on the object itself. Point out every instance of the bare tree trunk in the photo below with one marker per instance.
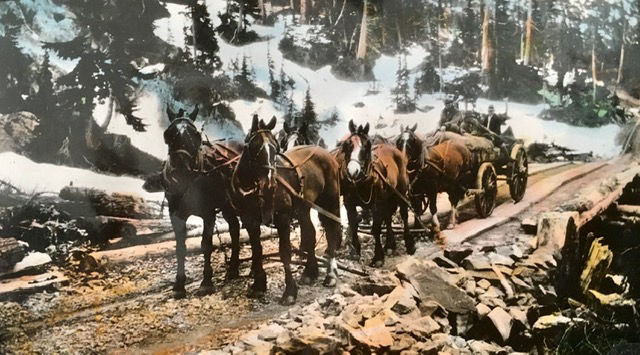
(193, 30)
(486, 51)
(529, 34)
(344, 4)
(362, 43)
(621, 64)
(593, 67)
(262, 10)
(109, 115)
(304, 8)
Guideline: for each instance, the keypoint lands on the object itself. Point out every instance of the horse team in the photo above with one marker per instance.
(258, 183)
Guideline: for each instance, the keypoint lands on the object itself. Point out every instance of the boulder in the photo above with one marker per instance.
(18, 129)
(476, 262)
(482, 310)
(458, 254)
(431, 283)
(502, 322)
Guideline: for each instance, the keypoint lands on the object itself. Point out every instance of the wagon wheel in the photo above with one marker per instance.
(487, 182)
(519, 173)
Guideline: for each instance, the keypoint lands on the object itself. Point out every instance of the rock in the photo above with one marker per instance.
(512, 251)
(444, 262)
(529, 225)
(402, 299)
(498, 259)
(421, 328)
(373, 335)
(615, 300)
(546, 296)
(11, 252)
(270, 332)
(20, 129)
(402, 341)
(430, 282)
(520, 284)
(481, 347)
(484, 284)
(502, 322)
(551, 321)
(457, 255)
(519, 317)
(482, 310)
(613, 284)
(314, 338)
(470, 287)
(476, 262)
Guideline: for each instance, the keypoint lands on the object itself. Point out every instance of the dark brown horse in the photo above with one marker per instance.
(369, 174)
(270, 187)
(194, 179)
(439, 168)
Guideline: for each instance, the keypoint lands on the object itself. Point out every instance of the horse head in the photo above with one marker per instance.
(183, 139)
(356, 150)
(261, 150)
(411, 146)
(294, 137)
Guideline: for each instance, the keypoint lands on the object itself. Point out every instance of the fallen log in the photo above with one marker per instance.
(503, 281)
(629, 210)
(115, 204)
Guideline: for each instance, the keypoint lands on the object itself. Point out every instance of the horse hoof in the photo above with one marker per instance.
(330, 281)
(307, 280)
(205, 290)
(288, 300)
(451, 226)
(377, 263)
(411, 250)
(255, 294)
(179, 294)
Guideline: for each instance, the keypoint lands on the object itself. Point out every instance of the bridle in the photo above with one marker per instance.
(269, 142)
(419, 161)
(366, 171)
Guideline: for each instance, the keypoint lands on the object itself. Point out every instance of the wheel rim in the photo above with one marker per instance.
(519, 176)
(486, 201)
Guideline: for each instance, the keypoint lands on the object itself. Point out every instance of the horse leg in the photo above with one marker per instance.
(206, 286)
(282, 222)
(432, 197)
(376, 228)
(352, 217)
(453, 199)
(409, 243)
(390, 241)
(333, 231)
(179, 225)
(259, 286)
(308, 240)
(233, 272)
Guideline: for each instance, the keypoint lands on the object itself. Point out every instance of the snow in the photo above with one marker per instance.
(32, 177)
(328, 93)
(32, 259)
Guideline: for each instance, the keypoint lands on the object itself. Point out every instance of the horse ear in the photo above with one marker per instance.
(413, 129)
(194, 114)
(171, 114)
(286, 128)
(254, 123)
(365, 129)
(272, 124)
(352, 127)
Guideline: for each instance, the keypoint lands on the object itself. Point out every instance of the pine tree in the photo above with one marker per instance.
(428, 81)
(234, 24)
(244, 80)
(205, 37)
(14, 70)
(273, 82)
(309, 118)
(404, 102)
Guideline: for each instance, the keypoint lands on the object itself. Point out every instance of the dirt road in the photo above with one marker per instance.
(128, 306)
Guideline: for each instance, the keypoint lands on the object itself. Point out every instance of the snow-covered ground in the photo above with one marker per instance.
(32, 177)
(331, 94)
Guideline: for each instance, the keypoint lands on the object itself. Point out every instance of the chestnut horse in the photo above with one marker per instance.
(270, 187)
(193, 179)
(443, 167)
(369, 174)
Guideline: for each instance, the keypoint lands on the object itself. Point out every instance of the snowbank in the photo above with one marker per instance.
(32, 177)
